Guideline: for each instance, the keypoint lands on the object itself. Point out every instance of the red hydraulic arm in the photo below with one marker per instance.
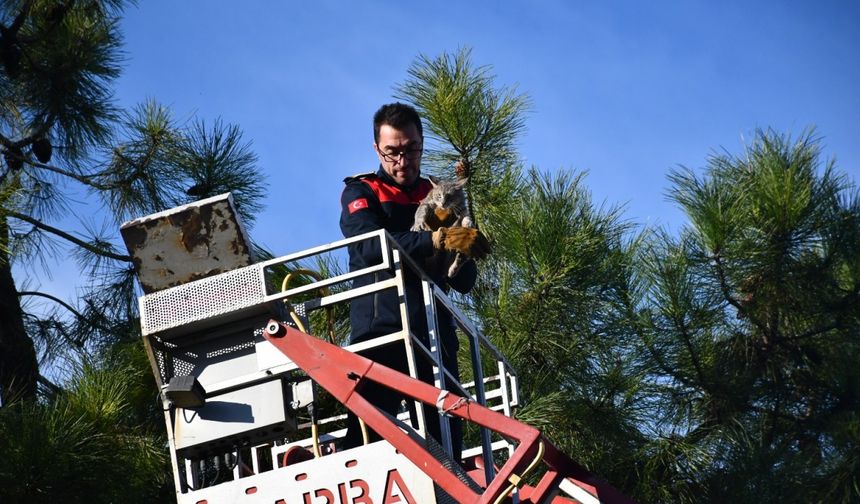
(341, 372)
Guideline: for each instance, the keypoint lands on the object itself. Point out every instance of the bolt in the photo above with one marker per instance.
(274, 329)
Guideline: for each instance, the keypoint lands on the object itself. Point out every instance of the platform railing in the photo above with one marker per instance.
(188, 335)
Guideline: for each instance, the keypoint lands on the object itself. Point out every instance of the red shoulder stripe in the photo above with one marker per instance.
(387, 193)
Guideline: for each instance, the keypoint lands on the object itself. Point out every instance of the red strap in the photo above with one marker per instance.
(393, 194)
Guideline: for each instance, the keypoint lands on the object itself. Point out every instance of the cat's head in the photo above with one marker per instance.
(459, 183)
(448, 194)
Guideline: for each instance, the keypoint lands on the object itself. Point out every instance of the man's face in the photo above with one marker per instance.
(399, 152)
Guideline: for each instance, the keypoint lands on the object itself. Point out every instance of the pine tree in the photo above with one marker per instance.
(62, 135)
(718, 365)
(556, 294)
(91, 444)
(753, 323)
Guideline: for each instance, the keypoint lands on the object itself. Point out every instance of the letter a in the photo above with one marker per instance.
(392, 479)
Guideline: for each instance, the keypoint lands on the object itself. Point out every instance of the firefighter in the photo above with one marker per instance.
(387, 199)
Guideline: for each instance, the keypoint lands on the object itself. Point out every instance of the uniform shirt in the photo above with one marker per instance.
(374, 201)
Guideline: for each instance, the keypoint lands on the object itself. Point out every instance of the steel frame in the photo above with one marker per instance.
(393, 259)
(342, 373)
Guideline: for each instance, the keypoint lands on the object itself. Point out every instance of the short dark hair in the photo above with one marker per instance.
(396, 115)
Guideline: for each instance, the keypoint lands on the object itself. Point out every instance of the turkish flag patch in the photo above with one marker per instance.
(357, 205)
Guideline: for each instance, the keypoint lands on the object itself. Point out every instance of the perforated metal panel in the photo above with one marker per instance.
(175, 361)
(203, 299)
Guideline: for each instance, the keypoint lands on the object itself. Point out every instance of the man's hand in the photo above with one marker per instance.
(439, 218)
(467, 241)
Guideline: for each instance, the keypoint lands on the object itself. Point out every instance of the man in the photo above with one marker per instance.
(387, 200)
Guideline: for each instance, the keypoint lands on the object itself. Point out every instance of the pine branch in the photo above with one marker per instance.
(12, 30)
(38, 133)
(5, 142)
(55, 299)
(32, 137)
(83, 179)
(813, 332)
(664, 366)
(685, 335)
(69, 237)
(54, 388)
(724, 288)
(80, 316)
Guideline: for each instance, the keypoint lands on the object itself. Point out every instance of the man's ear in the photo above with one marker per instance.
(378, 154)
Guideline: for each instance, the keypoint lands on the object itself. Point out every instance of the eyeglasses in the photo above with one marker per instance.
(395, 157)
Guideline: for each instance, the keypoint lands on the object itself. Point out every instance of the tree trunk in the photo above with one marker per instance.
(19, 368)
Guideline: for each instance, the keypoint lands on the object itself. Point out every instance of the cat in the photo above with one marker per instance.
(445, 195)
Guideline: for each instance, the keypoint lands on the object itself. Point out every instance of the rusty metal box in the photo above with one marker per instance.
(187, 243)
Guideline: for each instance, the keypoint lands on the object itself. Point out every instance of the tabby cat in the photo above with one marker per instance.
(446, 195)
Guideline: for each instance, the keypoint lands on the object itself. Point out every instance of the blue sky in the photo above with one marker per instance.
(623, 89)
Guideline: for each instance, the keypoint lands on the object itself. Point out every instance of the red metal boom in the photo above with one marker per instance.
(341, 373)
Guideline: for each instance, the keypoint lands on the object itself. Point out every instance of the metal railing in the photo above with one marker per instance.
(206, 329)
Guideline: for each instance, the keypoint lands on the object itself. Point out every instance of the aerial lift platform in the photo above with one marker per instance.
(255, 389)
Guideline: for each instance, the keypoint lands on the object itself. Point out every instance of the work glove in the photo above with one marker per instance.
(439, 218)
(467, 241)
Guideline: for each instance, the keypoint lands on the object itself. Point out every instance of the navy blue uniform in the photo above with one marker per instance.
(371, 202)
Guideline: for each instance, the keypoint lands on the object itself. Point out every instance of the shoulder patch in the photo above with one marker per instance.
(357, 205)
(359, 176)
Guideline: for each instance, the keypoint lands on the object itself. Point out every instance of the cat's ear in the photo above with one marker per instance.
(461, 182)
(433, 180)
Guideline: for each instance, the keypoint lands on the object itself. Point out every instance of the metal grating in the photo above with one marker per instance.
(202, 299)
(442, 497)
(160, 359)
(173, 362)
(183, 367)
(238, 347)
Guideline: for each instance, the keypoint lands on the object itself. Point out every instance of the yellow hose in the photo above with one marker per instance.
(315, 434)
(515, 479)
(301, 326)
(323, 291)
(364, 437)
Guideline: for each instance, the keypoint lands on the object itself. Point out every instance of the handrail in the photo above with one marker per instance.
(386, 241)
(478, 341)
(187, 336)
